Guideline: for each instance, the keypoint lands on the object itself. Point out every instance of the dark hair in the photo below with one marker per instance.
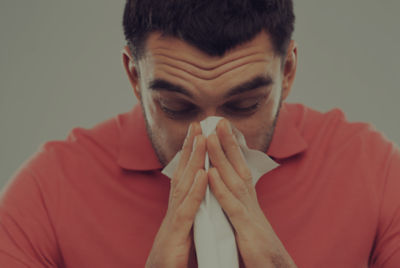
(213, 26)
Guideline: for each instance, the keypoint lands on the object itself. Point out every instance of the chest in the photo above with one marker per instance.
(323, 219)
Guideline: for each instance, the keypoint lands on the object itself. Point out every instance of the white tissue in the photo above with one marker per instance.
(213, 234)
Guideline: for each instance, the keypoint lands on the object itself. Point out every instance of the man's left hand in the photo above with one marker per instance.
(231, 182)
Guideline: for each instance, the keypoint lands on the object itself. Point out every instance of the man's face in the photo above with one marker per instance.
(179, 84)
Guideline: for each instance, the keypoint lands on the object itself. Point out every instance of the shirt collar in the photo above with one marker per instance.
(136, 151)
(287, 140)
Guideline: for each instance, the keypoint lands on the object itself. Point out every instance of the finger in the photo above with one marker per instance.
(228, 174)
(234, 209)
(196, 162)
(186, 212)
(187, 148)
(234, 154)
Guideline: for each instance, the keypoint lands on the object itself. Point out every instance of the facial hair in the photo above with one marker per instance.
(270, 133)
(161, 156)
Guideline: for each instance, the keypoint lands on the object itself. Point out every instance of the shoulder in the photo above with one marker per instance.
(351, 149)
(349, 152)
(100, 141)
(334, 133)
(83, 150)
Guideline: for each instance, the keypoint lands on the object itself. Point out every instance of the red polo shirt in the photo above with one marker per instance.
(97, 199)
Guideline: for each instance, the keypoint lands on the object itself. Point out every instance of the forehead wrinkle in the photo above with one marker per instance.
(203, 75)
(190, 88)
(204, 63)
(193, 85)
(193, 88)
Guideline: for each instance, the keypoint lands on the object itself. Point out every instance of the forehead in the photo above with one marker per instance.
(174, 60)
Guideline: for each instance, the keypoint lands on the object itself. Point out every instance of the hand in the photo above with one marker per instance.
(173, 241)
(231, 182)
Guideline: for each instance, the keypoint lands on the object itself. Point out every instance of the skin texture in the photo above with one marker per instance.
(194, 86)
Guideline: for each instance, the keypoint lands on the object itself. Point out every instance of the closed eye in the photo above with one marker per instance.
(184, 110)
(244, 107)
(177, 109)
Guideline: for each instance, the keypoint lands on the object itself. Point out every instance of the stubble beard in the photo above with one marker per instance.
(161, 156)
(157, 148)
(270, 133)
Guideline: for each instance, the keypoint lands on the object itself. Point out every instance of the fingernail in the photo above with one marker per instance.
(190, 129)
(187, 135)
(195, 141)
(228, 125)
(199, 173)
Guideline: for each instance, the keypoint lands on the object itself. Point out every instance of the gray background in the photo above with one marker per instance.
(60, 67)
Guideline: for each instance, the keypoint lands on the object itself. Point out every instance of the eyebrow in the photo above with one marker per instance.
(253, 84)
(163, 85)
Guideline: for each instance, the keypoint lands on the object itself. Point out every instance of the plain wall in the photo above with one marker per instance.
(60, 67)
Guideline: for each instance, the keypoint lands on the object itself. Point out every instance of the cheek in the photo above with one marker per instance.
(168, 135)
(255, 132)
(257, 129)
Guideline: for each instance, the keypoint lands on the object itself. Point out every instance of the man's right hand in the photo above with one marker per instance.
(172, 244)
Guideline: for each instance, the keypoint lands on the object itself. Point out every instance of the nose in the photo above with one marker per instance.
(212, 111)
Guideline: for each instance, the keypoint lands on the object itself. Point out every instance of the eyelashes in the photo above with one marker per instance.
(176, 113)
(175, 108)
(186, 110)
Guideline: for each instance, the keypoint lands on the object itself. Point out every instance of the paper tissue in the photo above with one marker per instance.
(213, 234)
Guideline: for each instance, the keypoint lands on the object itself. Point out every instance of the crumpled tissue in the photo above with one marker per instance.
(213, 233)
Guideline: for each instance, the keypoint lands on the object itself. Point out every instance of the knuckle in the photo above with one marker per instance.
(174, 181)
(246, 175)
(197, 199)
(238, 212)
(232, 145)
(240, 188)
(221, 197)
(181, 216)
(195, 163)
(176, 193)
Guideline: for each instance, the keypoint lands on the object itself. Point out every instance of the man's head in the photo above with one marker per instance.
(189, 59)
(212, 26)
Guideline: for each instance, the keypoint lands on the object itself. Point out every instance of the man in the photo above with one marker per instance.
(99, 199)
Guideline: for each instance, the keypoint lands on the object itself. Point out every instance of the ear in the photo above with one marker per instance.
(289, 69)
(130, 69)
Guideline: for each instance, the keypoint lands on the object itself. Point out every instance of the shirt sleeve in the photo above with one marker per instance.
(387, 245)
(27, 236)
